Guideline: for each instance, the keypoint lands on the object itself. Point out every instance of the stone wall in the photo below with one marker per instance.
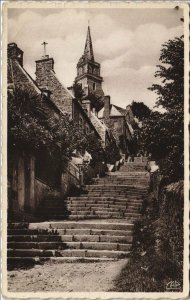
(41, 190)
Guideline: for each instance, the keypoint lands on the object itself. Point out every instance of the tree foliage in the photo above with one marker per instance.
(78, 91)
(33, 125)
(97, 101)
(112, 153)
(171, 72)
(140, 110)
(162, 133)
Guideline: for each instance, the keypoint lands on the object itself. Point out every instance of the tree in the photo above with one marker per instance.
(78, 91)
(112, 153)
(140, 110)
(171, 71)
(27, 120)
(32, 126)
(97, 101)
(162, 133)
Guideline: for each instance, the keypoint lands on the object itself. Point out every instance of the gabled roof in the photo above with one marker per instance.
(19, 76)
(63, 86)
(120, 109)
(114, 112)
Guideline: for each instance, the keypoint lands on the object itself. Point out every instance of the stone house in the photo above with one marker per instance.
(32, 175)
(117, 119)
(61, 96)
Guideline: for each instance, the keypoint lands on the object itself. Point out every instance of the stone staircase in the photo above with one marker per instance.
(99, 225)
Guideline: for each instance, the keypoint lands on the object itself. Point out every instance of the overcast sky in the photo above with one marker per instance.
(126, 42)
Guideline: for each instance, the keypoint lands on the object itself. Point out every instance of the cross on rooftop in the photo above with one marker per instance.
(44, 44)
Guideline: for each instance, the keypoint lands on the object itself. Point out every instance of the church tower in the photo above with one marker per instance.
(88, 70)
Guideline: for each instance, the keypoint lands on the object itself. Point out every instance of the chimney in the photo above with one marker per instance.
(43, 68)
(13, 52)
(86, 105)
(106, 107)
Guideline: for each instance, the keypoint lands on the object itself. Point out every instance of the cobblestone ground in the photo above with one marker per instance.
(66, 277)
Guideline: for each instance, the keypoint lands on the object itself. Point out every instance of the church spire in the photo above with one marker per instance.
(88, 50)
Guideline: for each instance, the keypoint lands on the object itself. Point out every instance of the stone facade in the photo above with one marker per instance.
(116, 120)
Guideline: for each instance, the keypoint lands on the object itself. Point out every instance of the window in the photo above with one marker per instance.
(94, 86)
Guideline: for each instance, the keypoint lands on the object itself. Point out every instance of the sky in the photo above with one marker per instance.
(126, 42)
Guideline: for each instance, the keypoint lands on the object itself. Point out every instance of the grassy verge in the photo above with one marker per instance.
(150, 268)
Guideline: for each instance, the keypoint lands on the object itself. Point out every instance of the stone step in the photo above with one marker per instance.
(95, 205)
(71, 238)
(99, 193)
(31, 253)
(138, 184)
(103, 208)
(132, 168)
(95, 209)
(71, 245)
(79, 210)
(110, 187)
(115, 195)
(102, 198)
(71, 225)
(116, 173)
(113, 190)
(119, 201)
(111, 232)
(89, 203)
(121, 180)
(92, 205)
(104, 212)
(124, 176)
(27, 260)
(103, 217)
(132, 184)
